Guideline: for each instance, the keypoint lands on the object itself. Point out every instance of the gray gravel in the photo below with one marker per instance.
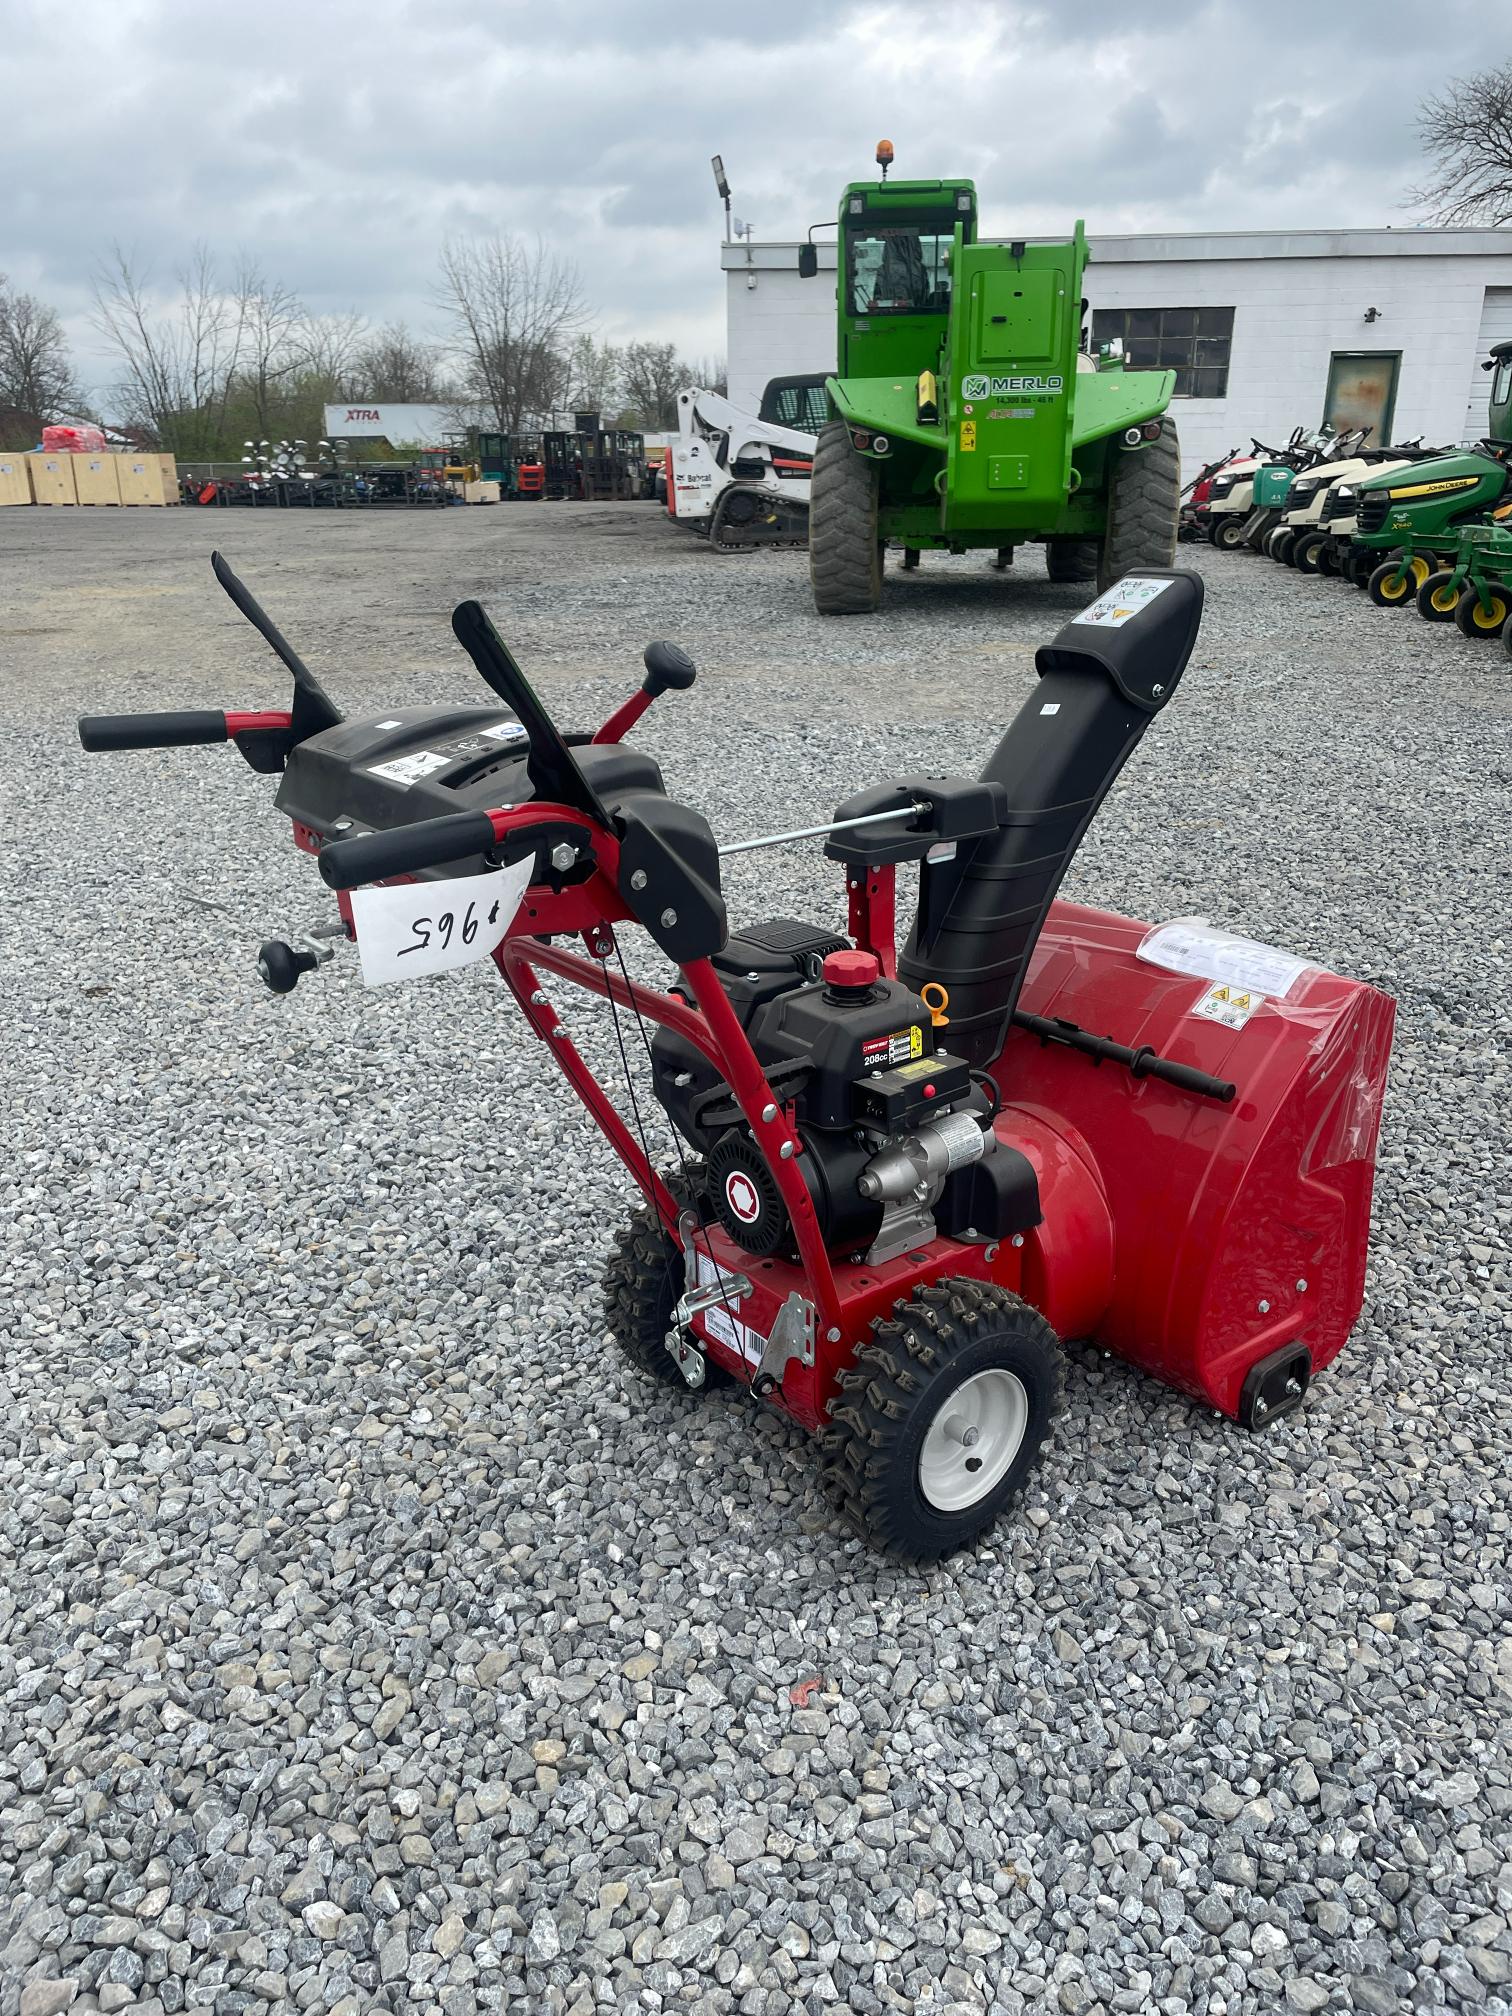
(370, 1640)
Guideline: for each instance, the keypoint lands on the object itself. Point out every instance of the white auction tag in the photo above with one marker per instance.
(435, 927)
(1190, 945)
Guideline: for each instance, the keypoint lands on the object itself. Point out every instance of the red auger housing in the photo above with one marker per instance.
(900, 1173)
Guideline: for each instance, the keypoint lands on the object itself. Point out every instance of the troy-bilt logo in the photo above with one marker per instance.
(980, 386)
(740, 1195)
(363, 413)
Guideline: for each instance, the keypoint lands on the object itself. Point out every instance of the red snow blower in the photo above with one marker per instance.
(907, 1174)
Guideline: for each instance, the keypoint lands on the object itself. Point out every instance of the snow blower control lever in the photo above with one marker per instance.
(900, 1177)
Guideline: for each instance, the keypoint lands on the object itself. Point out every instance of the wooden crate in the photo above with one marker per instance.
(95, 479)
(140, 478)
(15, 480)
(171, 491)
(52, 478)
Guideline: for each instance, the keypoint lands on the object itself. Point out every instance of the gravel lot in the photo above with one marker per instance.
(369, 1640)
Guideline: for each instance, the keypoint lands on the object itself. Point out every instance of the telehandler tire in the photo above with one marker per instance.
(1144, 502)
(941, 1417)
(1436, 599)
(643, 1280)
(1484, 625)
(1071, 560)
(845, 554)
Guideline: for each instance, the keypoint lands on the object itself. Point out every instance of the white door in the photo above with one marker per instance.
(1495, 327)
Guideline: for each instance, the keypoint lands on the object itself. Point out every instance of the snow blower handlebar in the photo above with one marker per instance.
(404, 850)
(183, 728)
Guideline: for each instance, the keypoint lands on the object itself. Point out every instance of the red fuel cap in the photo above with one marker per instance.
(851, 969)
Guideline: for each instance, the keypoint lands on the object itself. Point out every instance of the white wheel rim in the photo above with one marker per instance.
(973, 1440)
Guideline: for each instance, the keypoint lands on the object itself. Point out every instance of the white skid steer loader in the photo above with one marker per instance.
(742, 479)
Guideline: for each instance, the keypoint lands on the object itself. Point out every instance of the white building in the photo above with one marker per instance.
(1267, 330)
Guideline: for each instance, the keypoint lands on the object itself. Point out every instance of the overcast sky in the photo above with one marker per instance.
(340, 143)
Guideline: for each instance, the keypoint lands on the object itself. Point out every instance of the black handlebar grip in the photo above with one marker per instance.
(1186, 1076)
(374, 857)
(152, 731)
(668, 669)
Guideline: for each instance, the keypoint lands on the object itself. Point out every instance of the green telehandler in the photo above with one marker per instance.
(965, 412)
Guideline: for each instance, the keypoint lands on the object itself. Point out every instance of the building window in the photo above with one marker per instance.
(1192, 342)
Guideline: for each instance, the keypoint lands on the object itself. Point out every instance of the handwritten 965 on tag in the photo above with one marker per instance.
(416, 928)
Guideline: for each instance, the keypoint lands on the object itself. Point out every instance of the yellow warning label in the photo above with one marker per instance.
(968, 436)
(1225, 1003)
(899, 1048)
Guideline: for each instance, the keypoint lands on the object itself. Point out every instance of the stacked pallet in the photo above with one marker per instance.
(136, 477)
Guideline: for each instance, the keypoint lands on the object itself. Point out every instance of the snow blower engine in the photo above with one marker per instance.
(903, 1176)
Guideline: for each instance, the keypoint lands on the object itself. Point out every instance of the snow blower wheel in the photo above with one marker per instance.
(941, 1418)
(911, 1159)
(643, 1282)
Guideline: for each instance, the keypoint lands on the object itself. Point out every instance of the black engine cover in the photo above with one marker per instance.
(755, 966)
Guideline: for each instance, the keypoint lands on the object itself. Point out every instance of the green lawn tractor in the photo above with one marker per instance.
(1411, 519)
(964, 411)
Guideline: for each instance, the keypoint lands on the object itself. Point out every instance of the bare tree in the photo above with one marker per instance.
(1466, 132)
(329, 346)
(593, 376)
(36, 374)
(653, 377)
(395, 365)
(272, 321)
(178, 363)
(709, 374)
(513, 313)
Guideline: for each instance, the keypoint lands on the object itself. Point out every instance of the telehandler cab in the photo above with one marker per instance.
(964, 410)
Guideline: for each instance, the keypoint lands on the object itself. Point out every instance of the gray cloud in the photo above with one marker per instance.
(341, 143)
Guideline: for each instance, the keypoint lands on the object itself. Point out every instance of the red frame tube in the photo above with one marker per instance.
(874, 914)
(250, 723)
(624, 718)
(715, 1030)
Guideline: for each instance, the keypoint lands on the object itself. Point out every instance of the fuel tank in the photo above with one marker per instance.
(1219, 1246)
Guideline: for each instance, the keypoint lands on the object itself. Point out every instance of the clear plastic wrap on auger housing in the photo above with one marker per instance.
(1195, 1237)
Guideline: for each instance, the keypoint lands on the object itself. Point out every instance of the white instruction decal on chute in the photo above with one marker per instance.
(417, 928)
(1190, 945)
(1124, 599)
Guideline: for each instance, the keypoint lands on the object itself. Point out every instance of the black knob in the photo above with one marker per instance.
(668, 668)
(280, 965)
